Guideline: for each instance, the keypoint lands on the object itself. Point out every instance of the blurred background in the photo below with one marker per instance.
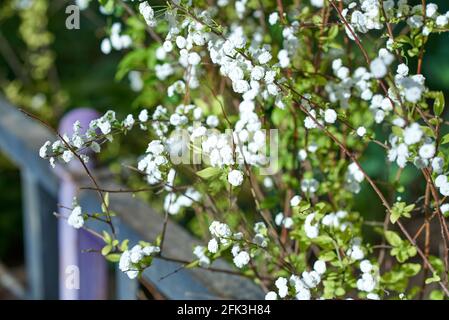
(50, 70)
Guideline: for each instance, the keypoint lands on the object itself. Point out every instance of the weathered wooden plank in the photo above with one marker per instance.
(40, 232)
(20, 139)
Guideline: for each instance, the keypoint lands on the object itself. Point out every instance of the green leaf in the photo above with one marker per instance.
(113, 257)
(209, 172)
(436, 295)
(434, 278)
(393, 238)
(401, 209)
(124, 245)
(438, 105)
(106, 249)
(411, 269)
(445, 139)
(106, 237)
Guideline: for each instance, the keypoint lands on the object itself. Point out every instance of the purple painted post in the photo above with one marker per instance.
(92, 267)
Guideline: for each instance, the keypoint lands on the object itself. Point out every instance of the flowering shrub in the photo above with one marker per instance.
(266, 111)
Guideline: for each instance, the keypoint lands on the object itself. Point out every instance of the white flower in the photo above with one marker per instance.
(106, 46)
(431, 9)
(235, 178)
(361, 131)
(125, 265)
(317, 3)
(273, 18)
(295, 200)
(271, 295)
(75, 218)
(444, 208)
(312, 231)
(212, 246)
(444, 189)
(241, 259)
(441, 21)
(386, 56)
(43, 149)
(378, 68)
(194, 58)
(415, 21)
(412, 134)
(281, 284)
(402, 70)
(67, 156)
(303, 294)
(373, 296)
(149, 250)
(204, 260)
(136, 254)
(264, 57)
(441, 180)
(427, 151)
(311, 279)
(147, 12)
(143, 115)
(356, 252)
(366, 283)
(366, 266)
(284, 59)
(437, 164)
(288, 223)
(319, 266)
(257, 73)
(330, 116)
(129, 122)
(240, 86)
(212, 121)
(219, 230)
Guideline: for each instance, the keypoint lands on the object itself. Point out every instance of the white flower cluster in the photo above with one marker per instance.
(354, 176)
(153, 162)
(356, 250)
(309, 186)
(223, 236)
(281, 220)
(173, 203)
(200, 253)
(334, 220)
(311, 227)
(358, 84)
(416, 19)
(379, 66)
(442, 183)
(116, 40)
(300, 286)
(367, 282)
(235, 178)
(148, 13)
(412, 135)
(133, 261)
(367, 18)
(410, 88)
(75, 218)
(260, 237)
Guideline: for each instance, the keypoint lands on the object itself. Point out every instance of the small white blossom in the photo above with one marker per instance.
(241, 259)
(235, 178)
